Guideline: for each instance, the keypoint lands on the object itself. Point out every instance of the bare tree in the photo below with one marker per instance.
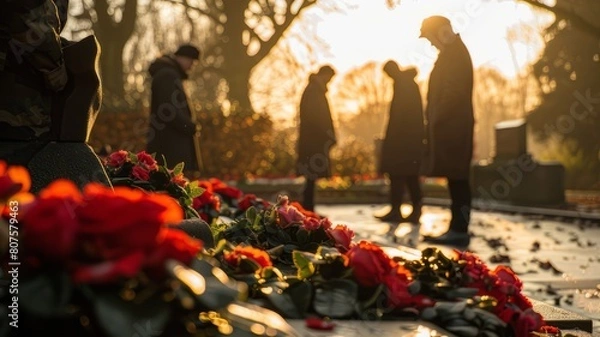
(113, 23)
(362, 102)
(248, 31)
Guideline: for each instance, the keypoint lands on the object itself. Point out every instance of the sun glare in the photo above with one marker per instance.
(370, 31)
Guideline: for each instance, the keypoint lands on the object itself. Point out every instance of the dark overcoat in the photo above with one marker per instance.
(316, 133)
(402, 148)
(171, 129)
(449, 114)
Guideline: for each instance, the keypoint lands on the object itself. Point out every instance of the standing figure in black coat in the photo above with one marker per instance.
(171, 131)
(402, 148)
(450, 124)
(316, 134)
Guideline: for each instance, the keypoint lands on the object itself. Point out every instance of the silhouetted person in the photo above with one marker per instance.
(172, 131)
(316, 134)
(49, 95)
(402, 148)
(450, 122)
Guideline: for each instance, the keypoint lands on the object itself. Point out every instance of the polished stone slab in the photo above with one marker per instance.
(350, 328)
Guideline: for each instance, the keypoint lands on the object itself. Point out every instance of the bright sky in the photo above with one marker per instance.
(371, 31)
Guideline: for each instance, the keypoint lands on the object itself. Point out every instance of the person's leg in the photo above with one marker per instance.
(308, 200)
(416, 197)
(457, 234)
(460, 192)
(396, 195)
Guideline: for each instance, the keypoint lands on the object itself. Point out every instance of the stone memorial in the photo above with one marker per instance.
(513, 176)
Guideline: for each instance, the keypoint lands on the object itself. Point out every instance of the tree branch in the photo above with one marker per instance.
(267, 45)
(569, 15)
(127, 24)
(197, 9)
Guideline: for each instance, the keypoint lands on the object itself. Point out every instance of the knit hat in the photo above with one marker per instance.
(188, 50)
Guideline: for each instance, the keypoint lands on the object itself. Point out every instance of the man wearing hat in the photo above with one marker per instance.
(171, 131)
(449, 124)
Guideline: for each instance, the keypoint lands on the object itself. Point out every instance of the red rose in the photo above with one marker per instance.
(304, 211)
(117, 158)
(173, 244)
(206, 202)
(369, 263)
(247, 201)
(289, 215)
(50, 223)
(325, 223)
(118, 230)
(342, 236)
(234, 257)
(13, 180)
(398, 296)
(311, 224)
(206, 185)
(207, 199)
(479, 275)
(508, 279)
(115, 223)
(140, 173)
(146, 161)
(527, 322)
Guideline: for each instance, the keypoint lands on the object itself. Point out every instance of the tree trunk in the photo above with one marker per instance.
(238, 65)
(111, 67)
(112, 37)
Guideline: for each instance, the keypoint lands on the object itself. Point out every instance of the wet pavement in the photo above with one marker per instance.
(557, 259)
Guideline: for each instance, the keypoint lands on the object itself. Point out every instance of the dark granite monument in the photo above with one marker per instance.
(513, 176)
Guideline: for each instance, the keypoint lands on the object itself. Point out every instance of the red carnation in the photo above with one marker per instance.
(234, 257)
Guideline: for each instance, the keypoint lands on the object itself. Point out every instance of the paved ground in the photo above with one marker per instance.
(558, 260)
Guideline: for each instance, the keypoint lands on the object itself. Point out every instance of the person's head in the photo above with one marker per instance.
(325, 74)
(391, 69)
(438, 30)
(187, 55)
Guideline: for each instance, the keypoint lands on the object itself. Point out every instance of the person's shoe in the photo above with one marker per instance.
(450, 238)
(413, 217)
(391, 217)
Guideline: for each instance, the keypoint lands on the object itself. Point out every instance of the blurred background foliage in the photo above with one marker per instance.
(246, 91)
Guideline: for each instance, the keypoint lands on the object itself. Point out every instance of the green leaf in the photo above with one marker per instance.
(281, 300)
(256, 223)
(371, 300)
(302, 235)
(328, 253)
(46, 294)
(248, 265)
(193, 189)
(178, 169)
(251, 214)
(132, 157)
(210, 285)
(301, 294)
(336, 298)
(118, 317)
(220, 247)
(305, 267)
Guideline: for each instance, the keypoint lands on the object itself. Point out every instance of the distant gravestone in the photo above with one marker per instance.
(513, 176)
(511, 139)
